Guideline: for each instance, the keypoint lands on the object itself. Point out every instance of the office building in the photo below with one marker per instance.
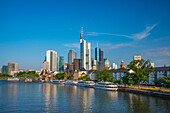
(71, 56)
(100, 65)
(114, 66)
(51, 57)
(60, 64)
(98, 55)
(136, 57)
(65, 66)
(106, 63)
(45, 65)
(12, 68)
(4, 69)
(77, 64)
(85, 53)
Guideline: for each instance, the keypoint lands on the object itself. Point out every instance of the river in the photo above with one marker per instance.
(46, 97)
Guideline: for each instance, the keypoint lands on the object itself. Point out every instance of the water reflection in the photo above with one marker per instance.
(39, 97)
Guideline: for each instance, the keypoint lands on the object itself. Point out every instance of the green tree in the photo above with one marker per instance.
(85, 78)
(105, 75)
(141, 69)
(60, 76)
(70, 77)
(167, 81)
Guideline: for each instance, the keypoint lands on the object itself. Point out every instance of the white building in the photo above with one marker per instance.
(85, 53)
(51, 57)
(136, 57)
(114, 66)
(159, 72)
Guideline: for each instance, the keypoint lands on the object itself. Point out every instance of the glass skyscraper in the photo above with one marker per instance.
(60, 63)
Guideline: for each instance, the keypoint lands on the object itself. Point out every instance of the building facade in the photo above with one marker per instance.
(71, 56)
(60, 64)
(12, 68)
(136, 57)
(77, 64)
(122, 64)
(114, 66)
(106, 63)
(45, 65)
(4, 69)
(51, 57)
(85, 53)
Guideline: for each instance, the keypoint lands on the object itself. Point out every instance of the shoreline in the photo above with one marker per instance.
(154, 93)
(145, 92)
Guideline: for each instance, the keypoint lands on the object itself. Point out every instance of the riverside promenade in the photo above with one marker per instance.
(158, 92)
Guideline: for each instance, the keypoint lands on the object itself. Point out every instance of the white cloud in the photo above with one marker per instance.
(156, 52)
(137, 36)
(74, 45)
(110, 46)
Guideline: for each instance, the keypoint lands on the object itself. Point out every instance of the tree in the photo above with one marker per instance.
(141, 69)
(105, 75)
(60, 76)
(85, 78)
(70, 77)
(167, 81)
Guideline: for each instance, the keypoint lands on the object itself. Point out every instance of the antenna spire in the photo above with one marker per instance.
(81, 34)
(97, 43)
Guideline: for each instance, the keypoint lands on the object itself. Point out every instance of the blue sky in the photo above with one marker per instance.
(123, 28)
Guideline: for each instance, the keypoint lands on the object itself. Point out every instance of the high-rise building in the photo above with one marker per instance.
(71, 56)
(98, 55)
(136, 57)
(100, 65)
(106, 63)
(12, 68)
(4, 69)
(65, 66)
(45, 65)
(60, 63)
(85, 53)
(122, 64)
(51, 57)
(77, 64)
(114, 66)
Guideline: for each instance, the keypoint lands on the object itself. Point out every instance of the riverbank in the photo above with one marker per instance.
(146, 91)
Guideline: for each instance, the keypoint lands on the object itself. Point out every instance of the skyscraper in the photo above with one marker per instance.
(71, 56)
(77, 64)
(85, 53)
(4, 69)
(60, 63)
(98, 56)
(12, 68)
(51, 57)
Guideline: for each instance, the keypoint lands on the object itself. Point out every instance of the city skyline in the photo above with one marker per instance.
(123, 30)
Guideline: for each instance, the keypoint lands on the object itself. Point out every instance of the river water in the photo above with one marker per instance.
(46, 97)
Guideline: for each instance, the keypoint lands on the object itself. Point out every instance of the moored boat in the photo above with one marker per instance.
(106, 86)
(58, 81)
(85, 83)
(70, 82)
(13, 79)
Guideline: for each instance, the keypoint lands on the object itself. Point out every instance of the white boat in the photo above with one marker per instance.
(70, 82)
(13, 79)
(29, 80)
(85, 83)
(89, 84)
(106, 86)
(58, 81)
